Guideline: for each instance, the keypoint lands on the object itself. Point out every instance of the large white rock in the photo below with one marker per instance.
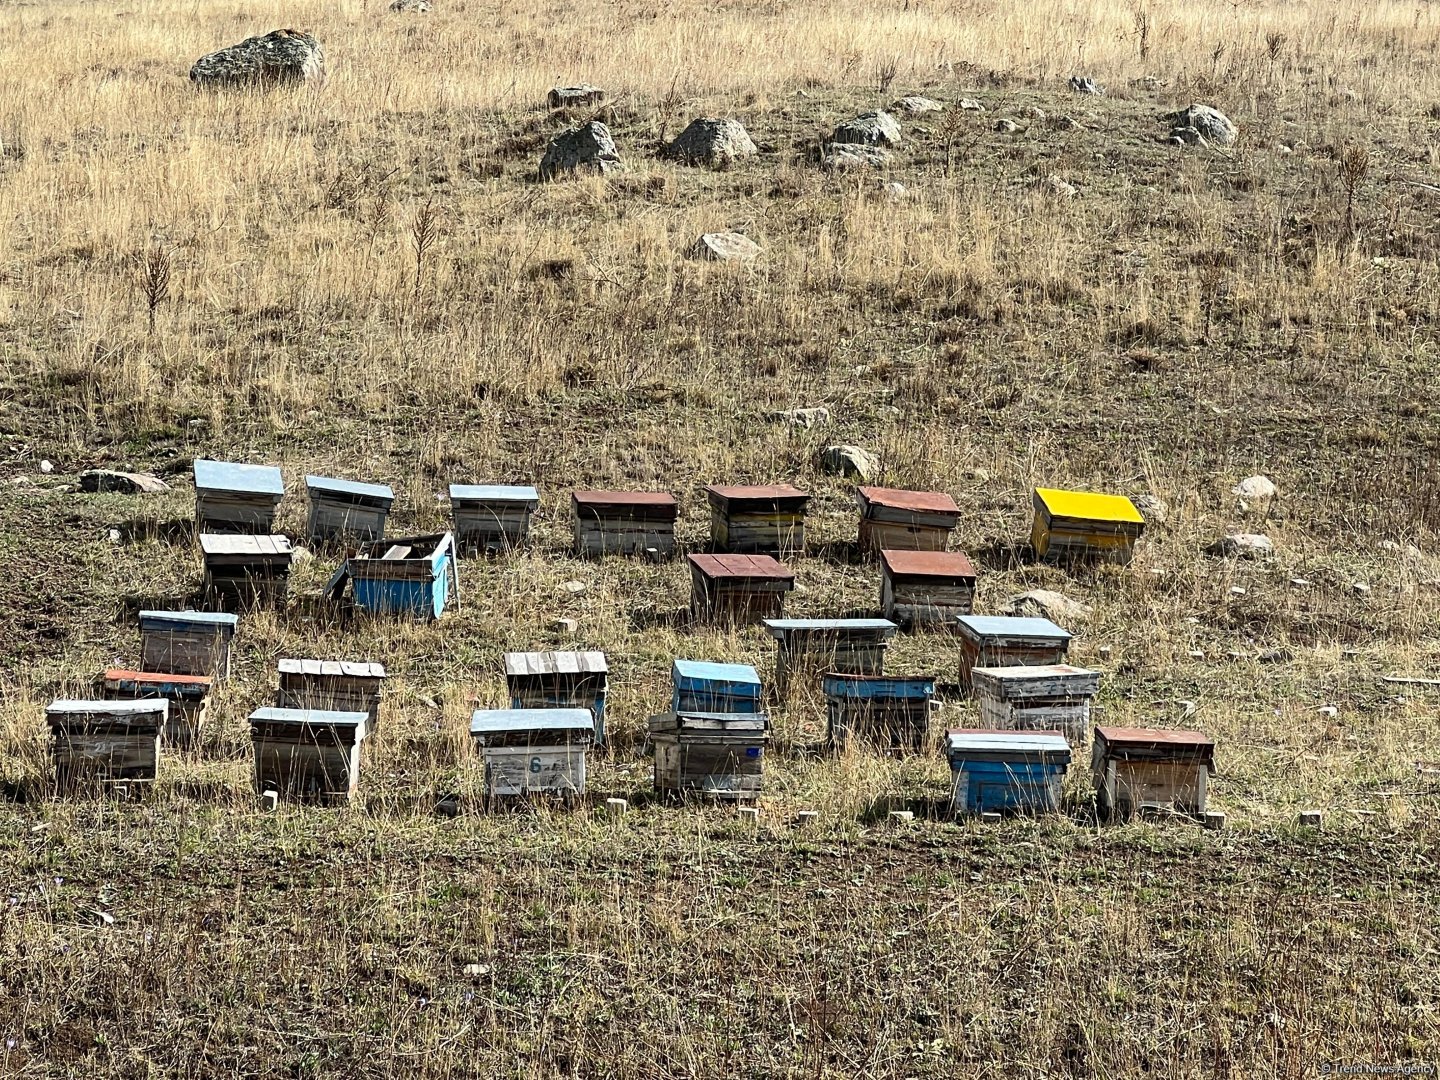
(869, 129)
(850, 461)
(1256, 487)
(276, 58)
(1210, 123)
(584, 149)
(1046, 604)
(726, 247)
(718, 143)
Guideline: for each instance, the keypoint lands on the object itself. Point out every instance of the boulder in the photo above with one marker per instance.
(917, 106)
(893, 190)
(1084, 84)
(1055, 187)
(1209, 123)
(969, 104)
(841, 156)
(1045, 604)
(273, 59)
(417, 6)
(1256, 487)
(1242, 546)
(850, 461)
(1069, 123)
(805, 418)
(574, 97)
(581, 150)
(121, 483)
(726, 247)
(716, 143)
(1006, 127)
(869, 129)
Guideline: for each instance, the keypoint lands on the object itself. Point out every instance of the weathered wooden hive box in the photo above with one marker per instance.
(246, 569)
(1006, 771)
(231, 497)
(413, 575)
(737, 588)
(533, 751)
(332, 686)
(1046, 697)
(188, 696)
(624, 522)
(1005, 641)
(884, 713)
(105, 742)
(1137, 768)
(311, 755)
(926, 589)
(899, 520)
(559, 680)
(843, 646)
(187, 642)
(704, 687)
(721, 755)
(347, 509)
(757, 520)
(1076, 525)
(492, 518)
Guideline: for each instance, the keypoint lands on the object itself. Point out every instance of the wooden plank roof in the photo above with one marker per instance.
(761, 567)
(555, 663)
(923, 502)
(355, 669)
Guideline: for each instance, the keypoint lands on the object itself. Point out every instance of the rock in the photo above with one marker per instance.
(1006, 127)
(1242, 546)
(1274, 656)
(726, 247)
(1084, 84)
(121, 483)
(587, 149)
(300, 556)
(1360, 588)
(853, 156)
(1069, 123)
(917, 106)
(1047, 605)
(1209, 123)
(418, 7)
(893, 189)
(869, 129)
(849, 461)
(574, 588)
(277, 58)
(113, 535)
(1186, 136)
(565, 626)
(1055, 187)
(971, 105)
(574, 97)
(1034, 112)
(716, 143)
(1152, 508)
(1256, 487)
(47, 467)
(806, 418)
(475, 971)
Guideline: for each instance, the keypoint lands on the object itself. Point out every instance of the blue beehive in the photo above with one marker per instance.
(715, 688)
(885, 712)
(235, 497)
(409, 576)
(1007, 770)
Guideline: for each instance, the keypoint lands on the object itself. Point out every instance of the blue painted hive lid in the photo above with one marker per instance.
(518, 721)
(1039, 747)
(877, 686)
(983, 626)
(205, 621)
(234, 476)
(701, 674)
(353, 489)
(493, 493)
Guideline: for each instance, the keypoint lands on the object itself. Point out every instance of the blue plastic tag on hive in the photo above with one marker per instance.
(752, 751)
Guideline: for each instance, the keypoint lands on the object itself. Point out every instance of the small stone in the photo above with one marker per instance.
(1055, 187)
(1310, 819)
(849, 461)
(1360, 588)
(418, 7)
(806, 418)
(971, 105)
(917, 106)
(574, 588)
(1300, 583)
(617, 808)
(840, 157)
(121, 483)
(1275, 656)
(273, 59)
(587, 149)
(1255, 488)
(47, 467)
(869, 129)
(1237, 590)
(578, 96)
(1084, 84)
(1047, 604)
(113, 535)
(475, 971)
(1033, 112)
(1069, 123)
(1330, 712)
(1214, 820)
(1006, 127)
(1242, 546)
(565, 626)
(893, 189)
(1196, 654)
(726, 247)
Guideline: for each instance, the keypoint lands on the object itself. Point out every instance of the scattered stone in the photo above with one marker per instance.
(1237, 590)
(1055, 187)
(855, 156)
(121, 483)
(917, 106)
(806, 418)
(971, 105)
(1255, 487)
(1034, 112)
(1006, 127)
(894, 190)
(113, 536)
(617, 808)
(1275, 656)
(574, 588)
(850, 461)
(1196, 654)
(1069, 123)
(574, 97)
(476, 971)
(1330, 712)
(1149, 82)
(1208, 123)
(1242, 546)
(1047, 604)
(726, 247)
(587, 149)
(1084, 84)
(1214, 820)
(1300, 583)
(418, 7)
(47, 467)
(1360, 588)
(1152, 508)
(565, 626)
(869, 129)
(1310, 819)
(274, 59)
(716, 143)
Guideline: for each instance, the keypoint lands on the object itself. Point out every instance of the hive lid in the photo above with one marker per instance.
(892, 686)
(555, 663)
(1088, 506)
(780, 627)
(158, 679)
(244, 544)
(427, 548)
(1027, 672)
(274, 714)
(764, 567)
(498, 721)
(493, 493)
(1154, 737)
(234, 476)
(983, 626)
(623, 498)
(62, 707)
(756, 492)
(702, 671)
(354, 669)
(349, 487)
(921, 502)
(1004, 743)
(177, 619)
(953, 564)
(709, 722)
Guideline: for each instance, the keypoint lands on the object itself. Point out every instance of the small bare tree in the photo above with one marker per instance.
(154, 268)
(1353, 168)
(885, 72)
(424, 232)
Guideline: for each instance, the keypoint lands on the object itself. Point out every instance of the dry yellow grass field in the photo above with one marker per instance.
(1189, 317)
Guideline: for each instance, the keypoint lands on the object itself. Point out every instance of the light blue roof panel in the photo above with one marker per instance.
(185, 620)
(273, 714)
(233, 476)
(496, 721)
(350, 487)
(493, 493)
(1010, 626)
(700, 672)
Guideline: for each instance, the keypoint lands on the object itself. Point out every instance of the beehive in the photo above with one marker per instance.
(899, 520)
(883, 713)
(721, 755)
(1084, 525)
(533, 751)
(757, 520)
(843, 646)
(187, 642)
(307, 754)
(737, 588)
(926, 589)
(187, 695)
(703, 687)
(105, 742)
(1047, 697)
(559, 680)
(1003, 641)
(1137, 768)
(1006, 771)
(347, 509)
(246, 570)
(332, 686)
(624, 523)
(492, 518)
(413, 575)
(231, 497)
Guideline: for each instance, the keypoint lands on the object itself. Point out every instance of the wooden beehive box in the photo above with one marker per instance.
(737, 588)
(703, 687)
(559, 680)
(899, 520)
(720, 755)
(926, 589)
(843, 646)
(624, 523)
(231, 497)
(311, 755)
(188, 696)
(879, 712)
(1076, 525)
(533, 751)
(245, 570)
(414, 575)
(1045, 697)
(105, 742)
(1005, 641)
(492, 518)
(332, 686)
(187, 642)
(1137, 768)
(347, 509)
(757, 520)
(1006, 771)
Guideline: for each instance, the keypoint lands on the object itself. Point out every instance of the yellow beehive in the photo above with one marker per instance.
(1084, 525)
